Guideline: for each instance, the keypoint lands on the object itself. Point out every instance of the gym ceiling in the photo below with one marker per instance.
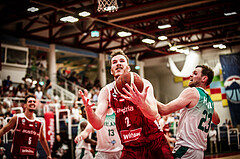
(194, 24)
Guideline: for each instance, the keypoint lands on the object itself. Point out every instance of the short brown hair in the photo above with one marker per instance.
(29, 96)
(118, 52)
(207, 71)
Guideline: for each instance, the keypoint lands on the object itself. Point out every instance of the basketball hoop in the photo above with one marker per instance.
(107, 5)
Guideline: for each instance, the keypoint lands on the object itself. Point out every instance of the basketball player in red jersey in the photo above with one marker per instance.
(138, 129)
(27, 130)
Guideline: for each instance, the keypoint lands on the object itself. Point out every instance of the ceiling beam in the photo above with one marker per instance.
(98, 20)
(161, 10)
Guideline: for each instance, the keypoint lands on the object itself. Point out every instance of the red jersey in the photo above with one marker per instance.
(26, 134)
(133, 127)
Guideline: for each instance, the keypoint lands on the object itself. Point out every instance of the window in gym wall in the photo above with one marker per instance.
(2, 54)
(16, 56)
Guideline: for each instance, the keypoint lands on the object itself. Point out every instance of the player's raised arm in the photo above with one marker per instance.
(188, 97)
(10, 125)
(96, 118)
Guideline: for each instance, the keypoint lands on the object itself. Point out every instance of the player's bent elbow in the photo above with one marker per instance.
(98, 127)
(216, 121)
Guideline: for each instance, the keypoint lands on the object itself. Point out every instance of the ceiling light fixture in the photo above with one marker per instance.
(148, 41)
(33, 9)
(173, 48)
(162, 38)
(220, 46)
(70, 19)
(230, 13)
(195, 47)
(137, 67)
(84, 14)
(124, 34)
(164, 26)
(94, 33)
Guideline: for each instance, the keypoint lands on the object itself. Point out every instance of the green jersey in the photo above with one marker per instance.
(194, 123)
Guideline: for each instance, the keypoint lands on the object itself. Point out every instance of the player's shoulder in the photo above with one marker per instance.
(109, 85)
(20, 115)
(146, 82)
(190, 91)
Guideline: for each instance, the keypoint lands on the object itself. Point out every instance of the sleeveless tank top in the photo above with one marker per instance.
(107, 137)
(26, 134)
(133, 127)
(194, 123)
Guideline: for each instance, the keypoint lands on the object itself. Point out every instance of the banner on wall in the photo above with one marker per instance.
(231, 76)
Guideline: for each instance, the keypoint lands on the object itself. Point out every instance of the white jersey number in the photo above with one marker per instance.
(29, 140)
(127, 121)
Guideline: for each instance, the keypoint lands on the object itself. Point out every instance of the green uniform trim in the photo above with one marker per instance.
(180, 152)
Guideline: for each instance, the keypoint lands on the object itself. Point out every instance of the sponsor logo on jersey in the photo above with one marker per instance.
(130, 135)
(125, 109)
(31, 132)
(114, 94)
(27, 150)
(113, 142)
(23, 121)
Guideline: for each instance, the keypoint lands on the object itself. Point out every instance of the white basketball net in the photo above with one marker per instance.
(107, 5)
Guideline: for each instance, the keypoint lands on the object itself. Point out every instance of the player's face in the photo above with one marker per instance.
(195, 78)
(119, 65)
(31, 104)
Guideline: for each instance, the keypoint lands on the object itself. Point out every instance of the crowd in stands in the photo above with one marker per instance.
(12, 95)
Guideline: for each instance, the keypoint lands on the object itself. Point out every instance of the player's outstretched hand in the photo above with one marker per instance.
(85, 99)
(134, 95)
(82, 136)
(49, 157)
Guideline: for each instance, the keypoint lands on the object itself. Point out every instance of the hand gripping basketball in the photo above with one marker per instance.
(129, 78)
(134, 95)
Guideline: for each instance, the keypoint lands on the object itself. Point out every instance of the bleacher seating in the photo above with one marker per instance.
(223, 137)
(233, 138)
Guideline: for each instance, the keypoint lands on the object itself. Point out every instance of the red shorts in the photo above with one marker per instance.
(23, 157)
(156, 149)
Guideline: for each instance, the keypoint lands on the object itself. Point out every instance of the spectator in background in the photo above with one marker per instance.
(2, 150)
(72, 77)
(59, 149)
(48, 87)
(95, 96)
(20, 93)
(38, 93)
(165, 125)
(28, 82)
(2, 110)
(230, 126)
(213, 140)
(7, 101)
(75, 113)
(7, 83)
(63, 115)
(226, 122)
